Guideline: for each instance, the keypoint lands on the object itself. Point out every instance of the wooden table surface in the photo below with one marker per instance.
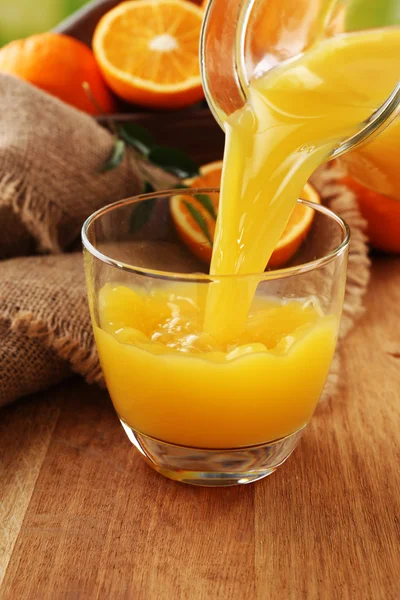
(83, 517)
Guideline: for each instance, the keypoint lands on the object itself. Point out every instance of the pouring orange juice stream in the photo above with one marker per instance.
(229, 368)
(294, 118)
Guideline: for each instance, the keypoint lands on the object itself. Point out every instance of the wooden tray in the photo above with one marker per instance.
(193, 129)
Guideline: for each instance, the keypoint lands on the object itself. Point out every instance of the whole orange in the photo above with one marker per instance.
(382, 215)
(58, 64)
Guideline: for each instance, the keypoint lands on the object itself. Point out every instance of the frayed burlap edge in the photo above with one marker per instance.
(9, 188)
(83, 361)
(42, 220)
(33, 213)
(343, 202)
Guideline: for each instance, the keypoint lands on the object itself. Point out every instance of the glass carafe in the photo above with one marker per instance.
(243, 39)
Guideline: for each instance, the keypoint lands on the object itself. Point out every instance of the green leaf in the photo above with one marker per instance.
(141, 214)
(206, 202)
(115, 158)
(138, 137)
(174, 161)
(199, 220)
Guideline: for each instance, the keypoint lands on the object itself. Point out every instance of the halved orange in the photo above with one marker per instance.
(296, 230)
(147, 51)
(192, 234)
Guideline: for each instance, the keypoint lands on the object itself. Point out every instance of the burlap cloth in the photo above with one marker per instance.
(49, 183)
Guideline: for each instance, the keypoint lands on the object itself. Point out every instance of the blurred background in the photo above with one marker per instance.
(20, 18)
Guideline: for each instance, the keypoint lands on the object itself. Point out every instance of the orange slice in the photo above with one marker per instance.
(192, 234)
(147, 51)
(296, 230)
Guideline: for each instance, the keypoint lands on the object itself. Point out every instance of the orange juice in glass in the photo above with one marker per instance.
(211, 407)
(215, 372)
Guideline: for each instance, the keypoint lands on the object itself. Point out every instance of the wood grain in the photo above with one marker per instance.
(25, 433)
(86, 518)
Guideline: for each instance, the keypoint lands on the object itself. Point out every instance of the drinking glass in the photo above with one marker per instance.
(244, 39)
(196, 413)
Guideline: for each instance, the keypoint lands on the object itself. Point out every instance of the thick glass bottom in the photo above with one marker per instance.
(213, 467)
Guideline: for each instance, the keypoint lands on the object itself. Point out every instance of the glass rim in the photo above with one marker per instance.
(198, 277)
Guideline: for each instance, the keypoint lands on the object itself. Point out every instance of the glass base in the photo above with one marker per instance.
(218, 467)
